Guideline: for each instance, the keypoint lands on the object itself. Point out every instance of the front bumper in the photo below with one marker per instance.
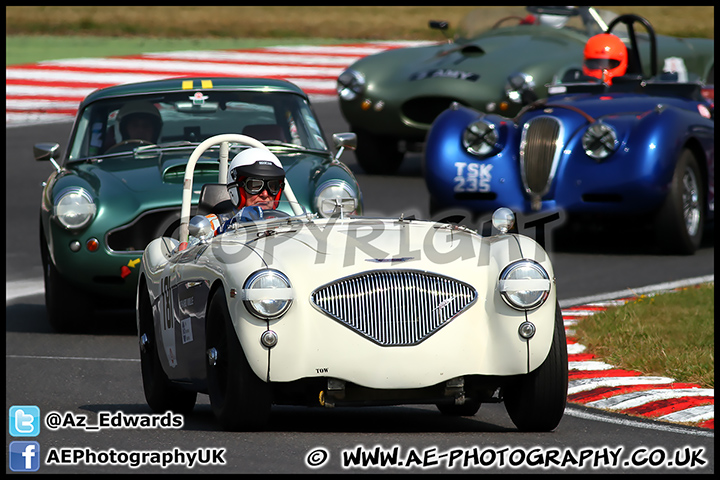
(482, 340)
(100, 272)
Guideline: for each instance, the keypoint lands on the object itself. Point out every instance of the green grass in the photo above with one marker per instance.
(22, 49)
(36, 33)
(670, 334)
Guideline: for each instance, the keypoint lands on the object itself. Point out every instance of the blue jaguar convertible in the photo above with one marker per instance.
(641, 147)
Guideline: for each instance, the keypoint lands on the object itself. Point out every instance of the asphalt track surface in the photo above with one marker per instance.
(86, 375)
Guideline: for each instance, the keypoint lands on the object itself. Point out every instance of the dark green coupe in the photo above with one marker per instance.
(390, 99)
(114, 191)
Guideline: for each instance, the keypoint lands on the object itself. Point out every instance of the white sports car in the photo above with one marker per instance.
(348, 311)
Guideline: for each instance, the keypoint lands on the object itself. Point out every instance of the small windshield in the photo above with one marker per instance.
(582, 19)
(105, 126)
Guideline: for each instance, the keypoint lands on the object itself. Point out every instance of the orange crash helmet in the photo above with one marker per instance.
(605, 57)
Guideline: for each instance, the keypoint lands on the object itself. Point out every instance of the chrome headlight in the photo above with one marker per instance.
(599, 141)
(267, 294)
(333, 195)
(74, 208)
(524, 285)
(518, 86)
(350, 84)
(480, 138)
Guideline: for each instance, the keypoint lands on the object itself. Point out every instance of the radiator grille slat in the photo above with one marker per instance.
(394, 308)
(539, 151)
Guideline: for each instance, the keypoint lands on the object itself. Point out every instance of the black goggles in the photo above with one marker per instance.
(254, 186)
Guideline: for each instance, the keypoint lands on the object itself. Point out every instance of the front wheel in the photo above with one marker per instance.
(160, 394)
(679, 223)
(536, 401)
(239, 399)
(376, 154)
(68, 309)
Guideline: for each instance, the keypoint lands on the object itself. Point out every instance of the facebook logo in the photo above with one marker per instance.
(24, 456)
(24, 421)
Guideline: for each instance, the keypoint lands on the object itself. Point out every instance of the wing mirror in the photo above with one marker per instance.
(342, 141)
(47, 151)
(201, 228)
(442, 26)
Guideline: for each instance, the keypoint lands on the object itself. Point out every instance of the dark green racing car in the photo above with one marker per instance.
(115, 189)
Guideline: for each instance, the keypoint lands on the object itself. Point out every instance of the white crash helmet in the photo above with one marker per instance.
(254, 163)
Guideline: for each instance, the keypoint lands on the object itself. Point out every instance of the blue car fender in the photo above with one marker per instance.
(654, 142)
(639, 172)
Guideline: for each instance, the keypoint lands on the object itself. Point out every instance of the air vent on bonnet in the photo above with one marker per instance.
(176, 173)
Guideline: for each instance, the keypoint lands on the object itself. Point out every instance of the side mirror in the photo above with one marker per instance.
(342, 141)
(441, 25)
(201, 228)
(47, 151)
(438, 25)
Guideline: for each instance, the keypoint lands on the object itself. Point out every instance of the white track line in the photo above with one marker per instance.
(661, 426)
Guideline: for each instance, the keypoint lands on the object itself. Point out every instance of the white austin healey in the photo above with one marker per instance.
(295, 309)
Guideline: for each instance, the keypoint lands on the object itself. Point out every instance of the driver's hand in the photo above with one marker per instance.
(249, 214)
(245, 214)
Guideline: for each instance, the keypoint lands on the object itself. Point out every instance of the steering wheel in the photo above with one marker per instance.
(629, 20)
(511, 17)
(130, 141)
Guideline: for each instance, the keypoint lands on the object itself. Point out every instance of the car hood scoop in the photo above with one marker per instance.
(472, 51)
(175, 173)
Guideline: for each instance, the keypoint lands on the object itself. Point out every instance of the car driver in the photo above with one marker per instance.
(605, 57)
(255, 182)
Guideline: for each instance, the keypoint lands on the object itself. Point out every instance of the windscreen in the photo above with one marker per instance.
(109, 126)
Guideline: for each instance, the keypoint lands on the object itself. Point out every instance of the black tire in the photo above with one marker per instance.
(467, 409)
(377, 155)
(68, 309)
(536, 401)
(679, 223)
(160, 394)
(239, 399)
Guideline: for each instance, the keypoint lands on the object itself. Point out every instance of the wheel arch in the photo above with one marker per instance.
(142, 284)
(214, 287)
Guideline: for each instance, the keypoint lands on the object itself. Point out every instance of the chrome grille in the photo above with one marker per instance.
(394, 308)
(539, 150)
